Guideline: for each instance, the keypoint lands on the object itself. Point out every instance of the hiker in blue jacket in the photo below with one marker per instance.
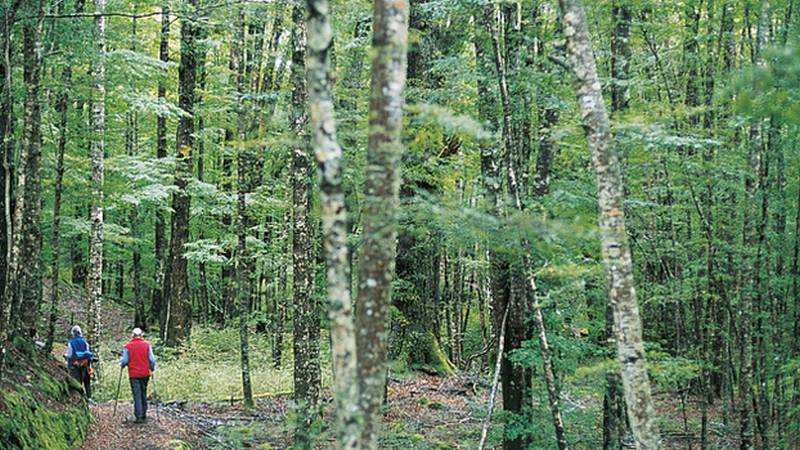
(79, 359)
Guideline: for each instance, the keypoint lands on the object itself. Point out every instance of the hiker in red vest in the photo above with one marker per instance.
(138, 356)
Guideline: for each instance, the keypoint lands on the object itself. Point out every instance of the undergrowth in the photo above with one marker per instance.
(208, 368)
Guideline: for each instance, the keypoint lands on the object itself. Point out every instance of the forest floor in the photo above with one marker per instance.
(118, 432)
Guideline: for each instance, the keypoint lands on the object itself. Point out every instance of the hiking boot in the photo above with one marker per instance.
(139, 420)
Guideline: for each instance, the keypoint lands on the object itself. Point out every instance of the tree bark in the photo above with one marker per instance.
(6, 168)
(614, 240)
(750, 275)
(30, 264)
(178, 321)
(62, 108)
(156, 307)
(613, 414)
(242, 256)
(306, 347)
(377, 258)
(96, 238)
(333, 213)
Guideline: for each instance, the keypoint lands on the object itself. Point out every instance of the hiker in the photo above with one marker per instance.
(79, 359)
(139, 358)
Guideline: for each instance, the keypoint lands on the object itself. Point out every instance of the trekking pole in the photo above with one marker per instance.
(116, 397)
(155, 396)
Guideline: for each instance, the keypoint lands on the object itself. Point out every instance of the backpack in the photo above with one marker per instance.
(80, 358)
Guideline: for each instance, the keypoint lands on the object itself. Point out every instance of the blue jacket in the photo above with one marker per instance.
(77, 348)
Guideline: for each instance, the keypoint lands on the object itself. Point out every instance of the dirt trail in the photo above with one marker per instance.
(161, 431)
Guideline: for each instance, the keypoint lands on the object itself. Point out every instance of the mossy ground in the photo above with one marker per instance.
(41, 407)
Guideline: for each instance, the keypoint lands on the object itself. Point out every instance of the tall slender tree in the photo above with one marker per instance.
(334, 220)
(62, 108)
(377, 257)
(242, 167)
(156, 306)
(614, 240)
(306, 321)
(96, 238)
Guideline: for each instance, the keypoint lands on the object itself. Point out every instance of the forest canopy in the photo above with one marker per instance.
(590, 210)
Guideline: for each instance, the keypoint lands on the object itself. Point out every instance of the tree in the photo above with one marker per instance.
(98, 154)
(614, 240)
(157, 302)
(30, 281)
(178, 318)
(306, 314)
(334, 220)
(376, 260)
(242, 256)
(62, 107)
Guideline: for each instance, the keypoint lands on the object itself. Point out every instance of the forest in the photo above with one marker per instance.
(403, 224)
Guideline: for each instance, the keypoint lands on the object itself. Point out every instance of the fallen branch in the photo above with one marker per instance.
(495, 380)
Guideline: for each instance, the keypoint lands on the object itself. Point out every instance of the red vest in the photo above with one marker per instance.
(138, 361)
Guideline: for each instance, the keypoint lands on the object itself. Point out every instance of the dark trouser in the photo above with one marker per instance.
(139, 389)
(82, 375)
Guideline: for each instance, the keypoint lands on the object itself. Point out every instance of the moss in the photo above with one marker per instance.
(425, 353)
(31, 423)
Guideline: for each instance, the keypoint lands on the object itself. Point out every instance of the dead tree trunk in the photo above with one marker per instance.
(614, 240)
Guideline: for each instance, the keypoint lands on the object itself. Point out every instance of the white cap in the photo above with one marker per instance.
(138, 331)
(76, 331)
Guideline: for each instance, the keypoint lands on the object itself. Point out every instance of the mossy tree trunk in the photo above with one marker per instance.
(334, 221)
(377, 258)
(614, 240)
(98, 120)
(30, 264)
(306, 319)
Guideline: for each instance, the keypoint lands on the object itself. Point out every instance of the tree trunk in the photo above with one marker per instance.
(751, 275)
(178, 321)
(8, 268)
(242, 264)
(98, 149)
(614, 240)
(30, 264)
(201, 162)
(306, 348)
(516, 380)
(377, 258)
(62, 108)
(6, 171)
(334, 221)
(157, 305)
(613, 415)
